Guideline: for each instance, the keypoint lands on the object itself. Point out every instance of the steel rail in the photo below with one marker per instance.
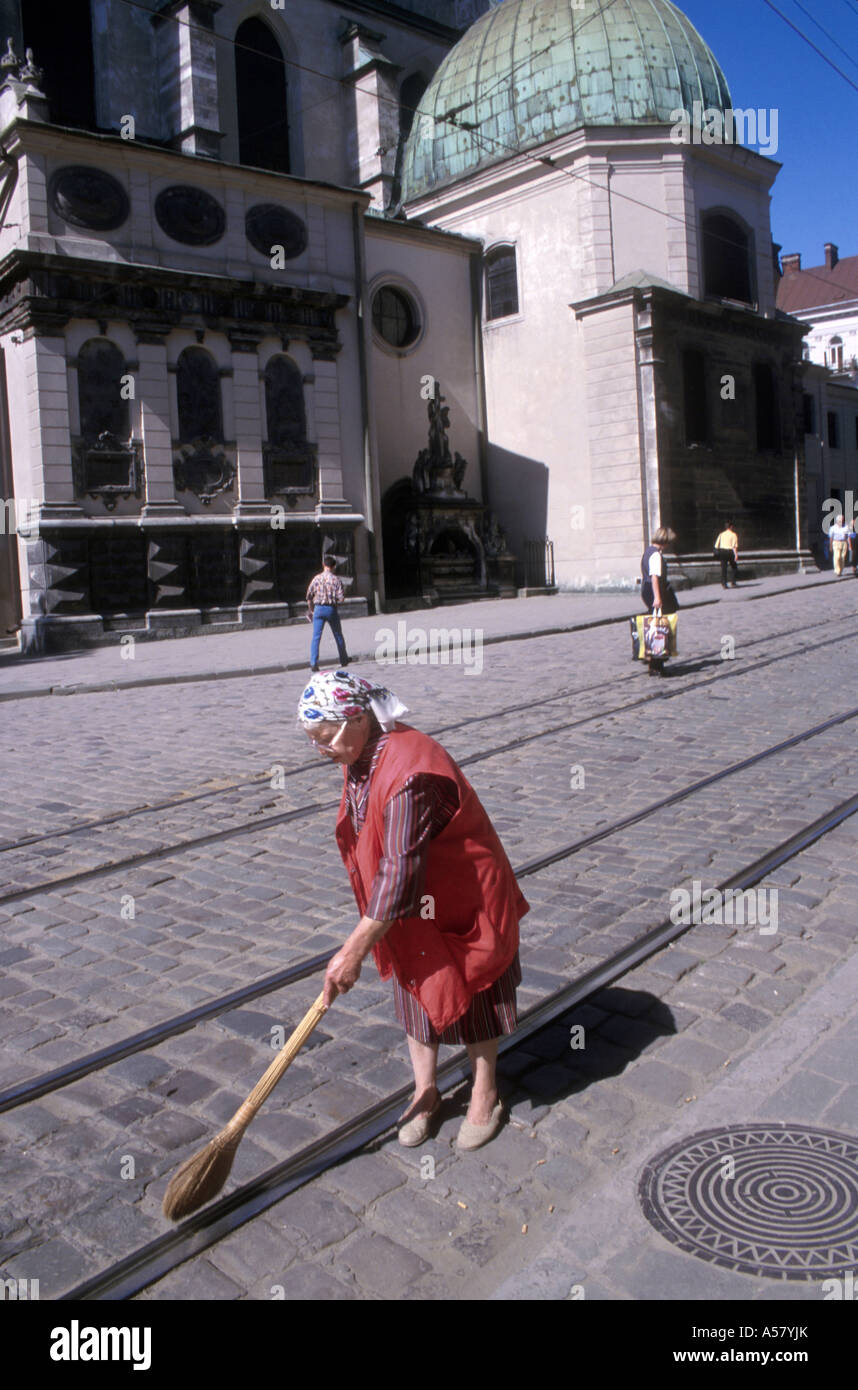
(312, 808)
(263, 780)
(164, 1254)
(37, 1087)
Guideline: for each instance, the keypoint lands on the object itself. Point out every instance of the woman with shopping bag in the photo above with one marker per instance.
(659, 629)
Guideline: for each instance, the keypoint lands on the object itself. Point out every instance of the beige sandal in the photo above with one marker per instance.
(474, 1136)
(416, 1131)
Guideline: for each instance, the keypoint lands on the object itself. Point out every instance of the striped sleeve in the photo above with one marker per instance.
(412, 818)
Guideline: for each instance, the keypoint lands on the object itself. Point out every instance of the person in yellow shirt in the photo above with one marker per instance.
(727, 551)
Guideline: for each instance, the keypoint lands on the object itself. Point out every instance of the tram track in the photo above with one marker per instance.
(36, 1087)
(258, 823)
(151, 1262)
(263, 780)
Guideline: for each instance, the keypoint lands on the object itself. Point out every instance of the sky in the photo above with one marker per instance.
(768, 65)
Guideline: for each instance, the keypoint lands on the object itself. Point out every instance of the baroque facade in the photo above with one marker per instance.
(253, 256)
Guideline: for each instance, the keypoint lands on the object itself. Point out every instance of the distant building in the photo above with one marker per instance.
(277, 279)
(825, 297)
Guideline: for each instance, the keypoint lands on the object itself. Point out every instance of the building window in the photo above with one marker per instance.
(694, 393)
(809, 413)
(284, 404)
(501, 283)
(61, 39)
(834, 355)
(766, 396)
(100, 366)
(726, 259)
(394, 317)
(833, 430)
(260, 85)
(410, 93)
(198, 390)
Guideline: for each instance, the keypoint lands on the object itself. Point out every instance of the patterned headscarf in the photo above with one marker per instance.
(338, 695)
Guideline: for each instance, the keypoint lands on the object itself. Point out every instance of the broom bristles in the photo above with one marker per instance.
(201, 1177)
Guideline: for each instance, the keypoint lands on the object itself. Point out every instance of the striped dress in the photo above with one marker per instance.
(412, 818)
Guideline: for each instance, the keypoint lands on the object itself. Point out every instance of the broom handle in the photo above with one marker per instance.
(266, 1083)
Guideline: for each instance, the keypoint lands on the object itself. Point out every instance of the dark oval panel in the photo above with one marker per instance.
(268, 225)
(190, 215)
(88, 197)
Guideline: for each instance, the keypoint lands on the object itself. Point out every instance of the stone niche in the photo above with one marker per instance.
(441, 545)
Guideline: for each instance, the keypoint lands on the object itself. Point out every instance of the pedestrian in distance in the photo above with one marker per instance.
(438, 901)
(324, 595)
(727, 552)
(852, 541)
(656, 590)
(839, 538)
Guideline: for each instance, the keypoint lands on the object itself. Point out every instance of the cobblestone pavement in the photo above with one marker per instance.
(83, 1169)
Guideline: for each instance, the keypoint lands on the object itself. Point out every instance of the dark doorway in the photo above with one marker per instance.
(260, 84)
(400, 541)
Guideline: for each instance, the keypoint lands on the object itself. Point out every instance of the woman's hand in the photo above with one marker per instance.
(343, 971)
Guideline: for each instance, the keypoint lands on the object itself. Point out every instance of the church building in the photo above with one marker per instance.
(475, 296)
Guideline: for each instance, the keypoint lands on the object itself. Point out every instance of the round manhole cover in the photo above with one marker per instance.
(776, 1200)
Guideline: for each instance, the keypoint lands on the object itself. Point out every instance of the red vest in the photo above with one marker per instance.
(473, 937)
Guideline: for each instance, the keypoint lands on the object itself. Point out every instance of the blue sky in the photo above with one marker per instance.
(815, 197)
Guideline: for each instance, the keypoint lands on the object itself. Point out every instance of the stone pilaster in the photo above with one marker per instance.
(153, 391)
(49, 423)
(248, 424)
(370, 81)
(327, 426)
(187, 60)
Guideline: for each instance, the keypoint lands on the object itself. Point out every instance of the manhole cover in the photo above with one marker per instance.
(775, 1200)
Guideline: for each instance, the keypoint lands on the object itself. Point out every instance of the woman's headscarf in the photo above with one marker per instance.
(338, 695)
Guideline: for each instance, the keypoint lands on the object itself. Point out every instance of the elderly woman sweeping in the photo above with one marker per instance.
(439, 902)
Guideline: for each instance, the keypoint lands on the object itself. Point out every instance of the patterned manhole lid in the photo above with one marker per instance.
(776, 1200)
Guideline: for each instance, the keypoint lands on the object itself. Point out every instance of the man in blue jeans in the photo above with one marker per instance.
(323, 595)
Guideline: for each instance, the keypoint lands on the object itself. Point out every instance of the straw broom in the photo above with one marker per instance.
(201, 1178)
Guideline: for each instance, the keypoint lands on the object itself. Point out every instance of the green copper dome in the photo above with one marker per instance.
(531, 70)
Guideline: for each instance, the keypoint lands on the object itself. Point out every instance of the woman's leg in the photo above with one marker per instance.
(424, 1063)
(484, 1096)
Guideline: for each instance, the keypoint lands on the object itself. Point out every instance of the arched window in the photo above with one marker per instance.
(410, 92)
(726, 259)
(501, 282)
(198, 389)
(284, 404)
(288, 460)
(834, 355)
(100, 367)
(260, 84)
(61, 39)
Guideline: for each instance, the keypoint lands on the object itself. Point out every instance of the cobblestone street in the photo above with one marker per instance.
(166, 843)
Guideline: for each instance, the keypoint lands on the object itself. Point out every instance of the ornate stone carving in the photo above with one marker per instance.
(436, 472)
(267, 225)
(289, 471)
(190, 215)
(203, 468)
(108, 468)
(88, 197)
(35, 296)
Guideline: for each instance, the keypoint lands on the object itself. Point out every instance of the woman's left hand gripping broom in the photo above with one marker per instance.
(201, 1178)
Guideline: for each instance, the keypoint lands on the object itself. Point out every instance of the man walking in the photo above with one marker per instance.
(325, 592)
(839, 537)
(727, 551)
